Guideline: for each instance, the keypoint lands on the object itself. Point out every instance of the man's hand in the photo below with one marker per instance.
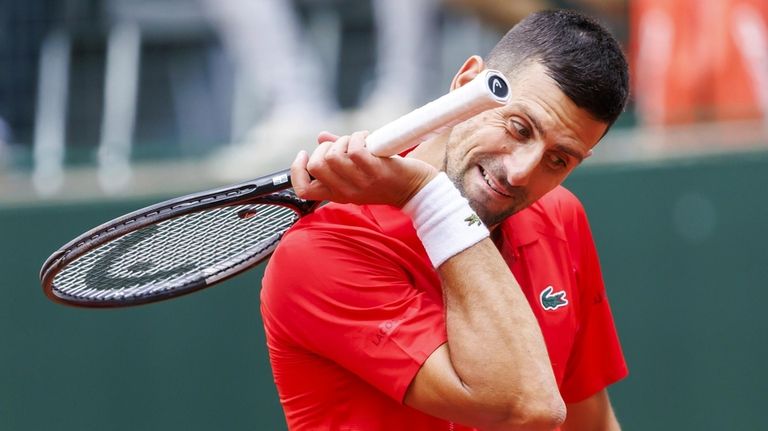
(341, 169)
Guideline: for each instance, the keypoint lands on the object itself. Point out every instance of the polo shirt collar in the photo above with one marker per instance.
(530, 224)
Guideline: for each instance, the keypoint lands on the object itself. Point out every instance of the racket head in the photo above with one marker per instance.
(172, 248)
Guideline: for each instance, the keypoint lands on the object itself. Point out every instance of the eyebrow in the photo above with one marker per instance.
(559, 147)
(570, 151)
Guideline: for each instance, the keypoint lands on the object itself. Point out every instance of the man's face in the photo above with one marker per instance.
(505, 159)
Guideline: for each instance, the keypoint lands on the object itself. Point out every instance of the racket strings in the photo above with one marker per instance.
(175, 253)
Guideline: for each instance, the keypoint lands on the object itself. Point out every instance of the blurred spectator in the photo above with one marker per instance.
(699, 60)
(267, 44)
(405, 37)
(270, 48)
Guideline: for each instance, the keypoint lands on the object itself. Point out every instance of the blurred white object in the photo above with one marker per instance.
(277, 69)
(405, 32)
(750, 31)
(50, 116)
(275, 57)
(656, 33)
(274, 61)
(120, 96)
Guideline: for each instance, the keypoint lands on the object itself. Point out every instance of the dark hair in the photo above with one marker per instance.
(581, 56)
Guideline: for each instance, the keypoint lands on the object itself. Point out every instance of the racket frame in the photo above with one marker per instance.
(270, 189)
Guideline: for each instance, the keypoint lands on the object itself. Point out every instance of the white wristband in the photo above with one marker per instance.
(444, 221)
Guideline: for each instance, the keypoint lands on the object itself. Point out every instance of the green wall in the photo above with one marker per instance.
(683, 251)
(194, 363)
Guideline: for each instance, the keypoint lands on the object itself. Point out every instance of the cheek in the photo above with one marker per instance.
(468, 146)
(478, 129)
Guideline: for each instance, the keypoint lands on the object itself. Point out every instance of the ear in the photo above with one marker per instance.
(468, 71)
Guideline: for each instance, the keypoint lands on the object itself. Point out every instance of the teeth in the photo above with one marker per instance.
(487, 178)
(488, 181)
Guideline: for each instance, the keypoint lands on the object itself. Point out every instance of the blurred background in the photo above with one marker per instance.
(109, 105)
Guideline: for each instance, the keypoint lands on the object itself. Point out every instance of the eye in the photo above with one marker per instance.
(557, 162)
(521, 130)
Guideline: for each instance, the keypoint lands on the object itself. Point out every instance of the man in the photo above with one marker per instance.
(399, 310)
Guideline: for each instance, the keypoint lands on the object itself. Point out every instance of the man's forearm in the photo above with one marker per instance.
(496, 346)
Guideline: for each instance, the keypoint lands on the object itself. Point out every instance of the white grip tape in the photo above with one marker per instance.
(444, 221)
(487, 90)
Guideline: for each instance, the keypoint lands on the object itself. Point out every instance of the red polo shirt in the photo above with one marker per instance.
(352, 308)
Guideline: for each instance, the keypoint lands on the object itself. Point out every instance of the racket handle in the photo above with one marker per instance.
(487, 90)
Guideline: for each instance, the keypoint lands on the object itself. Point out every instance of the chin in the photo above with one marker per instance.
(492, 217)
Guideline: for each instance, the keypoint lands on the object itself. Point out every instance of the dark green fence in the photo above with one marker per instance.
(683, 251)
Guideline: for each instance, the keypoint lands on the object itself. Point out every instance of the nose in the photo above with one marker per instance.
(522, 162)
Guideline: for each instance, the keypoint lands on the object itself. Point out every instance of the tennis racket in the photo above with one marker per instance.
(186, 244)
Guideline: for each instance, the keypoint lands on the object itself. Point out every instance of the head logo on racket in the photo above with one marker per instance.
(498, 86)
(140, 272)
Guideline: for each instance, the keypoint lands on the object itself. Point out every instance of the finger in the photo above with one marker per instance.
(300, 177)
(325, 136)
(328, 163)
(304, 185)
(338, 150)
(337, 160)
(359, 154)
(316, 191)
(357, 142)
(316, 160)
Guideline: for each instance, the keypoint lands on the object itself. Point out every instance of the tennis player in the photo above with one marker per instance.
(457, 287)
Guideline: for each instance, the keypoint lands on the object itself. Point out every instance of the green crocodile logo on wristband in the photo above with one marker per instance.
(471, 220)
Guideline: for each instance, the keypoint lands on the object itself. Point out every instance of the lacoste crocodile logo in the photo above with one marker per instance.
(472, 219)
(552, 301)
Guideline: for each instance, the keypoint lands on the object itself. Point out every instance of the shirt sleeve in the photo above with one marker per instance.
(359, 299)
(596, 360)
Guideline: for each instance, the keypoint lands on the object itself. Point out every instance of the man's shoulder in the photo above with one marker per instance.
(343, 223)
(560, 201)
(335, 215)
(558, 207)
(554, 214)
(339, 229)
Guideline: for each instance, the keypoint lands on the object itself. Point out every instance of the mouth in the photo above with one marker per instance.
(492, 184)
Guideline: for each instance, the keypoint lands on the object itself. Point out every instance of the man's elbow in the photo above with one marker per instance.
(538, 414)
